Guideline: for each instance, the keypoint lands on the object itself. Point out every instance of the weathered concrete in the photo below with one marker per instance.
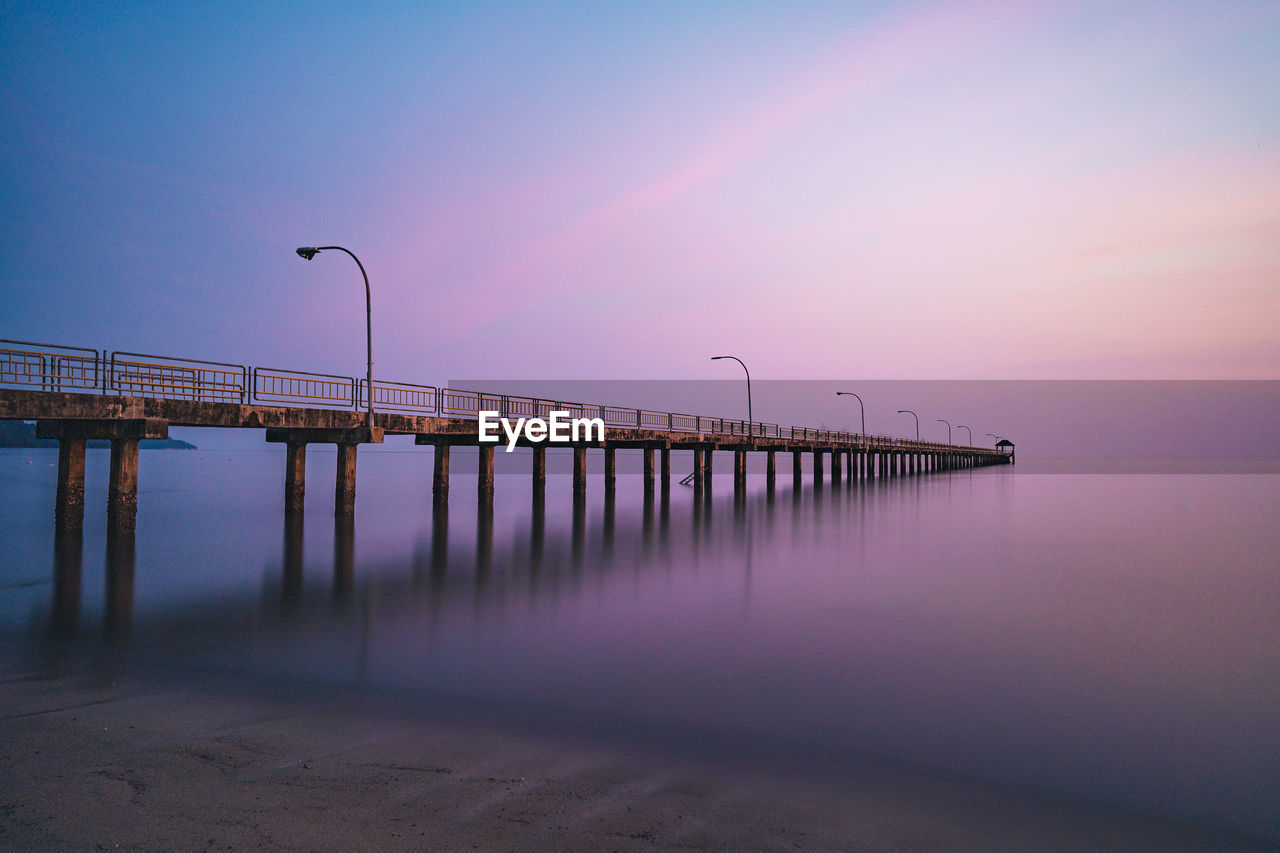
(739, 473)
(579, 472)
(648, 471)
(295, 477)
(835, 467)
(344, 493)
(797, 469)
(770, 469)
(440, 476)
(665, 469)
(122, 487)
(818, 473)
(484, 482)
(610, 471)
(539, 474)
(68, 510)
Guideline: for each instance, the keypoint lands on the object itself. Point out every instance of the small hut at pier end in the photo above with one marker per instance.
(1006, 446)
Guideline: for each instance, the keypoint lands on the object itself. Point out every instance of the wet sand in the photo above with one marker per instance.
(123, 765)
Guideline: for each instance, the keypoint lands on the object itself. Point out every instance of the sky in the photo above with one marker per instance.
(943, 190)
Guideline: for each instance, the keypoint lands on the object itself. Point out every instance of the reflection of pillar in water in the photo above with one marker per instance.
(439, 546)
(344, 556)
(579, 534)
(537, 536)
(68, 560)
(120, 568)
(291, 586)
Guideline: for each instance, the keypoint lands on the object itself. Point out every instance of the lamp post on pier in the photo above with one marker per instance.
(948, 423)
(750, 421)
(309, 252)
(966, 429)
(914, 415)
(861, 409)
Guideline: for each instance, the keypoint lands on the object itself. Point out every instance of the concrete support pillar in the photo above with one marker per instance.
(484, 483)
(579, 473)
(648, 472)
(344, 494)
(699, 469)
(739, 473)
(295, 477)
(68, 511)
(770, 469)
(708, 460)
(797, 470)
(835, 466)
(665, 469)
(440, 476)
(610, 470)
(122, 490)
(818, 473)
(539, 473)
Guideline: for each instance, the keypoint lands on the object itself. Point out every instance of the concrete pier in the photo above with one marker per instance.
(610, 471)
(539, 474)
(579, 473)
(344, 492)
(797, 469)
(295, 477)
(440, 475)
(68, 511)
(648, 472)
(770, 469)
(484, 481)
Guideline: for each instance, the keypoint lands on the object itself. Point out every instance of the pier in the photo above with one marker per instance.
(77, 394)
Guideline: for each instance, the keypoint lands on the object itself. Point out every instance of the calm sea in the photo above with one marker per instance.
(1113, 637)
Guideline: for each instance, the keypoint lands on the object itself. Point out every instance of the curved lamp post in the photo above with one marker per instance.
(948, 423)
(966, 429)
(914, 415)
(861, 409)
(993, 435)
(309, 252)
(750, 421)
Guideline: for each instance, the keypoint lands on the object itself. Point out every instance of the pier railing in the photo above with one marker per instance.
(56, 368)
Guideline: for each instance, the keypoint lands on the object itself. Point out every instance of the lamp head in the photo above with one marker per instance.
(307, 252)
(718, 357)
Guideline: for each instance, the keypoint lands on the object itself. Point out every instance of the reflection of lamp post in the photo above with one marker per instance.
(914, 415)
(750, 421)
(861, 409)
(966, 429)
(948, 423)
(309, 252)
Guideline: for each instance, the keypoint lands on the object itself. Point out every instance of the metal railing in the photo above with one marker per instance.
(176, 378)
(49, 366)
(55, 368)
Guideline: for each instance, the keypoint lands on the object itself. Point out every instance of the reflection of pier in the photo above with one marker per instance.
(78, 394)
(465, 568)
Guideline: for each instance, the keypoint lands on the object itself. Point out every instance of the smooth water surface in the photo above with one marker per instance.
(1110, 637)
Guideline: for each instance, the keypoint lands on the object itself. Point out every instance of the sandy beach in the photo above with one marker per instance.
(120, 764)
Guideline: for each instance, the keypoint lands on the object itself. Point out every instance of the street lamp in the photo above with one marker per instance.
(966, 429)
(309, 252)
(993, 435)
(861, 409)
(750, 420)
(948, 423)
(914, 415)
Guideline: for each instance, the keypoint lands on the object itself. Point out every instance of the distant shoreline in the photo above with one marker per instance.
(22, 434)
